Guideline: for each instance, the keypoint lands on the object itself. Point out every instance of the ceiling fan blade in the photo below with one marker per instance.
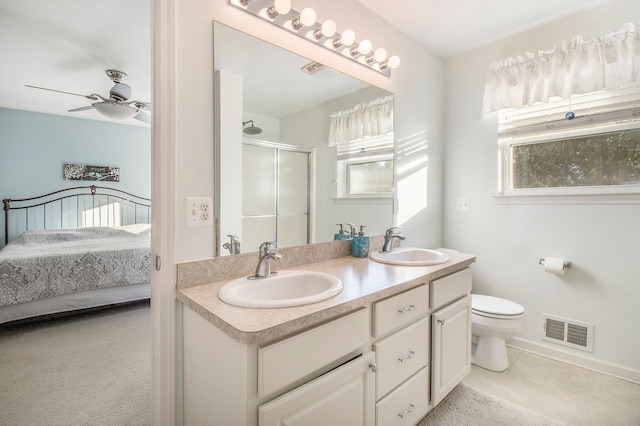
(84, 108)
(92, 97)
(144, 117)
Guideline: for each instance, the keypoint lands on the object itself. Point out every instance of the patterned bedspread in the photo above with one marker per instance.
(41, 264)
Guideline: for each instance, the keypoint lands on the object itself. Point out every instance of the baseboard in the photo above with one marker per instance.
(594, 364)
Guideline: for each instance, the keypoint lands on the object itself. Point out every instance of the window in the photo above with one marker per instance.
(363, 136)
(365, 167)
(372, 177)
(589, 145)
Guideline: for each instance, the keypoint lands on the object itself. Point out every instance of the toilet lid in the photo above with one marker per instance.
(495, 305)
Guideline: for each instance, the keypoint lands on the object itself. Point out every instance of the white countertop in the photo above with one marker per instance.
(365, 281)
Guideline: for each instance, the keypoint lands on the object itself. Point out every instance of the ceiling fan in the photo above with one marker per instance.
(117, 106)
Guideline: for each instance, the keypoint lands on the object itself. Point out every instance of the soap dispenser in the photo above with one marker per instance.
(352, 230)
(342, 234)
(360, 244)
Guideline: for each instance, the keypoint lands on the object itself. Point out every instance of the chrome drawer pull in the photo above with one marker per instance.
(441, 321)
(410, 355)
(406, 309)
(373, 367)
(410, 410)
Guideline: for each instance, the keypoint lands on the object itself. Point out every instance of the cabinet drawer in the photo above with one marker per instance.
(407, 404)
(450, 288)
(342, 397)
(400, 355)
(399, 310)
(305, 354)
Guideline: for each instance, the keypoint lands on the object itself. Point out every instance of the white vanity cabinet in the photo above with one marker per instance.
(450, 332)
(385, 362)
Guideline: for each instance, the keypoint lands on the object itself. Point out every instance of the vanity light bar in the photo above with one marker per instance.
(305, 24)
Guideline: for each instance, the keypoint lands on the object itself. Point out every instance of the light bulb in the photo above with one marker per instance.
(392, 63)
(306, 19)
(363, 48)
(328, 29)
(346, 39)
(380, 54)
(280, 7)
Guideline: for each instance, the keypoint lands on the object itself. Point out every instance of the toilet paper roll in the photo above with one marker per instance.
(553, 265)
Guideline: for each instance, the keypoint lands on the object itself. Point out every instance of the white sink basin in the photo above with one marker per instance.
(287, 288)
(410, 257)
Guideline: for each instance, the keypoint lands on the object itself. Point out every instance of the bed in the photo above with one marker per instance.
(74, 249)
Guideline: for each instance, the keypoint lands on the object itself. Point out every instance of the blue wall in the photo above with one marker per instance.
(34, 147)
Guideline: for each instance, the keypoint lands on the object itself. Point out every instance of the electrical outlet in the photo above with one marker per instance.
(198, 211)
(463, 205)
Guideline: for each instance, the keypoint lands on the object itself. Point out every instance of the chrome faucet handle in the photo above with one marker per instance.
(265, 247)
(391, 231)
(234, 238)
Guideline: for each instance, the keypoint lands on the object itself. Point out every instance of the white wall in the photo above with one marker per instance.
(417, 84)
(602, 241)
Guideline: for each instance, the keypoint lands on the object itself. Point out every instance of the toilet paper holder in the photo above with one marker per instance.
(567, 263)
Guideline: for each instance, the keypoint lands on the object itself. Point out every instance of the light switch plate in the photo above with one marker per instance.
(462, 205)
(198, 211)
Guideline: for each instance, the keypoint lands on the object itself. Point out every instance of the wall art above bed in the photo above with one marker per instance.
(84, 172)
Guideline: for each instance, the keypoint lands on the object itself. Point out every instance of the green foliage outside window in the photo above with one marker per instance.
(593, 160)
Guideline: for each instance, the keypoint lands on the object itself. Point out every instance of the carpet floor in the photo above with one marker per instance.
(467, 406)
(89, 369)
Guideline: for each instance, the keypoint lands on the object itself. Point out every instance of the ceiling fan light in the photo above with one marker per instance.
(114, 110)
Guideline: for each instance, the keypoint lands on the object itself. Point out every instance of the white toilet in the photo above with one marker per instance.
(492, 321)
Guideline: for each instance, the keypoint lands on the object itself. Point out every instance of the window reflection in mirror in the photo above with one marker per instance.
(290, 99)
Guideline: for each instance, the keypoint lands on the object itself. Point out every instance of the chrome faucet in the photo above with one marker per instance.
(234, 245)
(390, 235)
(263, 270)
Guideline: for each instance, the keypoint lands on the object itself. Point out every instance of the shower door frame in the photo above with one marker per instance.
(309, 151)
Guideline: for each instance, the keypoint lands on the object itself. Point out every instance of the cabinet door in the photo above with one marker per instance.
(342, 397)
(451, 341)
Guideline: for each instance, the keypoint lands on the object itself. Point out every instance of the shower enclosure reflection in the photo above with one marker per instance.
(275, 194)
(276, 175)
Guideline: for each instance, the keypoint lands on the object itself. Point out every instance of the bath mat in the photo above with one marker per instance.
(468, 406)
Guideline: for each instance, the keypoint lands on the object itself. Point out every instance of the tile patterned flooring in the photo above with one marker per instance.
(564, 392)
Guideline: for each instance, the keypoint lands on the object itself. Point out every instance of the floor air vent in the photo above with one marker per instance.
(575, 334)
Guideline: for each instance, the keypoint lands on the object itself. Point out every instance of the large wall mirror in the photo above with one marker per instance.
(277, 178)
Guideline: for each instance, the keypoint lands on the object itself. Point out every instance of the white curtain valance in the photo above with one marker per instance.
(609, 61)
(363, 120)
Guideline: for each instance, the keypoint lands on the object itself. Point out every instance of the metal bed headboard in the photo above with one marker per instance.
(76, 207)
